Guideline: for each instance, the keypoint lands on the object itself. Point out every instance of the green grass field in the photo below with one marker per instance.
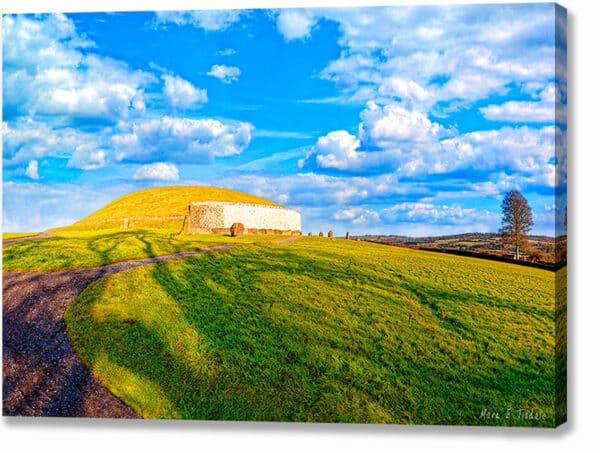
(324, 331)
(16, 235)
(71, 248)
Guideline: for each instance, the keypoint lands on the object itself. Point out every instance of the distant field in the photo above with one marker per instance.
(16, 235)
(542, 249)
(71, 249)
(320, 330)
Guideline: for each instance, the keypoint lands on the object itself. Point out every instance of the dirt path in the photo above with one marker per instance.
(42, 375)
(6, 242)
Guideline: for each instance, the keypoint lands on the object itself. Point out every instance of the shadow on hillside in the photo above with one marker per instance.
(240, 348)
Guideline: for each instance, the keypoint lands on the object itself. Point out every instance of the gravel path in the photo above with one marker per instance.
(6, 242)
(42, 375)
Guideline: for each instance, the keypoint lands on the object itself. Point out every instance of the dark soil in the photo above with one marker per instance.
(42, 375)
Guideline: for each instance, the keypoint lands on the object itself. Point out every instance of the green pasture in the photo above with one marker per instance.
(317, 330)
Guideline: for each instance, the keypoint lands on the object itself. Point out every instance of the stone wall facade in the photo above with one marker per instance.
(217, 217)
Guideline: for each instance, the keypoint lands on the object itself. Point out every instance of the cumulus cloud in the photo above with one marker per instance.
(443, 56)
(181, 93)
(337, 150)
(437, 214)
(407, 143)
(158, 171)
(182, 140)
(405, 90)
(391, 138)
(28, 139)
(210, 20)
(546, 108)
(295, 23)
(226, 74)
(523, 149)
(50, 71)
(88, 157)
(32, 170)
(391, 125)
(358, 215)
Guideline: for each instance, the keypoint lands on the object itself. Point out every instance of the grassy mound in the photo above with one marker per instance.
(166, 201)
(321, 330)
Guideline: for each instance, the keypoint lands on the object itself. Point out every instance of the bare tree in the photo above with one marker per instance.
(517, 219)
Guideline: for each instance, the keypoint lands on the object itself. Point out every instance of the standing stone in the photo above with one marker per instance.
(330, 234)
(309, 233)
(347, 235)
(320, 234)
(237, 230)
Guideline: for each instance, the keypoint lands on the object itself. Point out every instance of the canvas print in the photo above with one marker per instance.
(324, 215)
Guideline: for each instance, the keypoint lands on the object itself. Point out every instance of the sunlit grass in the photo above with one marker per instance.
(166, 201)
(16, 235)
(71, 249)
(323, 330)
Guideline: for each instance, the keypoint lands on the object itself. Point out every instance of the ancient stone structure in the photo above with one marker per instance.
(218, 217)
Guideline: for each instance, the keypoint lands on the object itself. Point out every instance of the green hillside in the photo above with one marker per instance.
(166, 201)
(322, 330)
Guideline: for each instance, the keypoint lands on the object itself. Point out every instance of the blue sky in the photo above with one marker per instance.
(391, 120)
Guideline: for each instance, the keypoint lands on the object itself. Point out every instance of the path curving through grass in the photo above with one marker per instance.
(42, 374)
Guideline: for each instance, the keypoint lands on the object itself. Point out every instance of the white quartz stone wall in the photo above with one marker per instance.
(254, 216)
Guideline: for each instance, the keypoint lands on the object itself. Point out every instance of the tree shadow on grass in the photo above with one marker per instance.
(267, 367)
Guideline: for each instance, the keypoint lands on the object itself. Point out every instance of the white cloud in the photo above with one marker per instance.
(227, 52)
(181, 93)
(158, 171)
(306, 189)
(390, 139)
(337, 150)
(210, 20)
(295, 23)
(49, 42)
(407, 90)
(227, 74)
(392, 125)
(429, 33)
(394, 140)
(28, 139)
(49, 71)
(358, 215)
(524, 150)
(547, 108)
(437, 214)
(32, 170)
(452, 53)
(88, 157)
(33, 206)
(352, 204)
(181, 140)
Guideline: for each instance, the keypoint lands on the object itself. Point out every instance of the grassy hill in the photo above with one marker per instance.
(166, 201)
(325, 330)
